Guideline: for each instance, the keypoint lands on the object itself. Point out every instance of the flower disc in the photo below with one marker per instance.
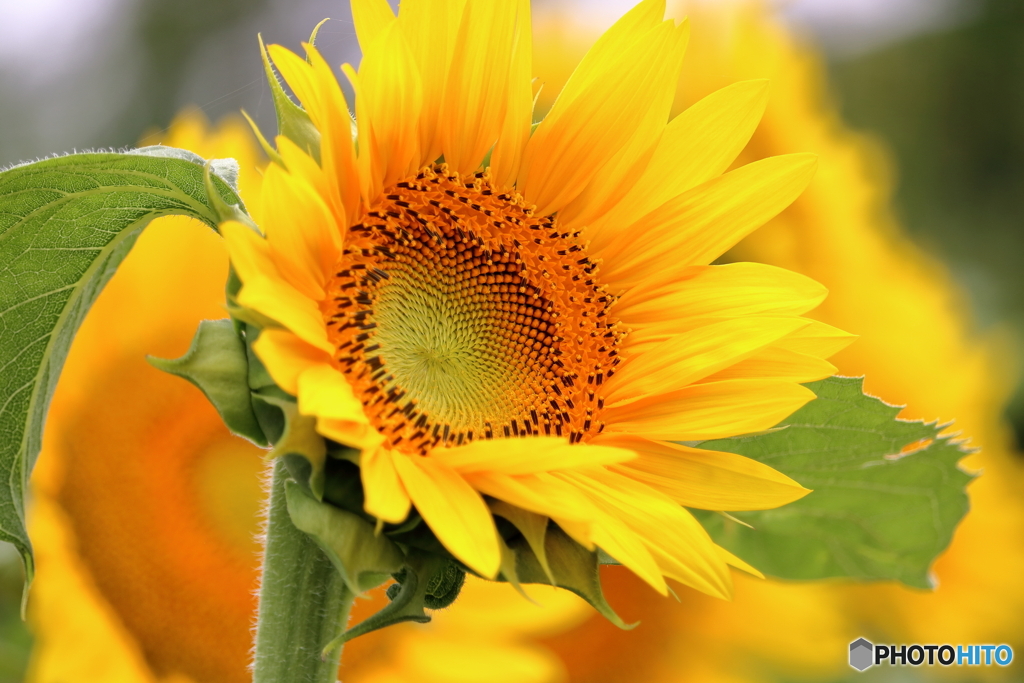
(458, 314)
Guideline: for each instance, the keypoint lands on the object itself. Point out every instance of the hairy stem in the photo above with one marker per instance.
(304, 603)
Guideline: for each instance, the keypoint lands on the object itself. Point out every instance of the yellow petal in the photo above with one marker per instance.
(709, 411)
(249, 252)
(817, 339)
(581, 532)
(276, 299)
(577, 137)
(686, 358)
(430, 28)
(707, 480)
(337, 155)
(515, 129)
(623, 33)
(300, 165)
(776, 363)
(672, 567)
(532, 526)
(304, 168)
(622, 172)
(701, 224)
(542, 495)
(301, 231)
(390, 86)
(287, 357)
(679, 544)
(264, 290)
(606, 531)
(386, 496)
(358, 435)
(370, 168)
(476, 93)
(324, 392)
(371, 18)
(734, 561)
(316, 87)
(697, 145)
(526, 456)
(734, 289)
(620, 541)
(455, 512)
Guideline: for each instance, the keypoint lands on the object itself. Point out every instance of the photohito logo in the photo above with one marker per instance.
(864, 654)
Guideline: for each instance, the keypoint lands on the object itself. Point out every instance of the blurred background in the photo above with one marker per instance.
(940, 83)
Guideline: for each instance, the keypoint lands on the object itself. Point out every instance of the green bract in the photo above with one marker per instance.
(566, 564)
(292, 120)
(65, 225)
(363, 558)
(217, 364)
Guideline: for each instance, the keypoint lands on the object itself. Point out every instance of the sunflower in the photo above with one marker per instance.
(486, 308)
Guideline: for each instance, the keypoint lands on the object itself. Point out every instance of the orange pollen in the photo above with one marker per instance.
(457, 314)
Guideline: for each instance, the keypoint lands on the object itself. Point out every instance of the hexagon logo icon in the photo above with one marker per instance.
(861, 654)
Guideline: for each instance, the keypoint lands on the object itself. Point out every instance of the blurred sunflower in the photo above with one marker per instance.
(535, 319)
(143, 504)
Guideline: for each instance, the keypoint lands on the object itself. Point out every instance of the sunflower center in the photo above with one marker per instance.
(457, 314)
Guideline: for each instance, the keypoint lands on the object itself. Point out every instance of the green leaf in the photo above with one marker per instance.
(65, 225)
(217, 364)
(363, 558)
(407, 600)
(300, 438)
(534, 529)
(878, 511)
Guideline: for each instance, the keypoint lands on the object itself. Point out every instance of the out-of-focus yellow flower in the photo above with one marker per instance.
(143, 504)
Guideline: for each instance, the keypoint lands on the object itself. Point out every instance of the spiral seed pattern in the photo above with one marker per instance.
(457, 314)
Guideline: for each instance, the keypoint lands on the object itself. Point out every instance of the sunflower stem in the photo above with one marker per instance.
(304, 603)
